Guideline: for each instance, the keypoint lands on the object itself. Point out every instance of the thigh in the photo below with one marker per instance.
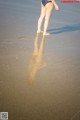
(49, 9)
(43, 10)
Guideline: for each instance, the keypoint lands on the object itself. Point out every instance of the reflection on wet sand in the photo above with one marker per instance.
(37, 58)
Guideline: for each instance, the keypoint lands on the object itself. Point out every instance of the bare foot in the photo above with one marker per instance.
(40, 32)
(46, 33)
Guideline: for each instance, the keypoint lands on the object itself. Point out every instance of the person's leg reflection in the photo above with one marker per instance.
(37, 58)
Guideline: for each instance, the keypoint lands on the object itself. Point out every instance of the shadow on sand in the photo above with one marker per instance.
(37, 59)
(71, 28)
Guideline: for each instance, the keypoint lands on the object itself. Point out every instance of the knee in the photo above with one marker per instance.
(42, 17)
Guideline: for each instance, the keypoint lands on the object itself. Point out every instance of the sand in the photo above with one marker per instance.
(39, 76)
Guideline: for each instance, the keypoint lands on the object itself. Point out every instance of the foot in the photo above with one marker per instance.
(46, 33)
(40, 32)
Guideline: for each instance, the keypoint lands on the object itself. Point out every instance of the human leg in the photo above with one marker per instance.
(49, 8)
(43, 12)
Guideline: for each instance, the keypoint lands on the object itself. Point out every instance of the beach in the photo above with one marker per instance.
(39, 75)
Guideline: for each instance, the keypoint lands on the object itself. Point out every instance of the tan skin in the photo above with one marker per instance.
(46, 12)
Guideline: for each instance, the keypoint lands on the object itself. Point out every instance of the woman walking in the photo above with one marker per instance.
(46, 10)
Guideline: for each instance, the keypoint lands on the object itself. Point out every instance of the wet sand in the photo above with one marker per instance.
(39, 76)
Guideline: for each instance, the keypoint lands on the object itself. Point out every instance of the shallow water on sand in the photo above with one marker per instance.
(39, 75)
